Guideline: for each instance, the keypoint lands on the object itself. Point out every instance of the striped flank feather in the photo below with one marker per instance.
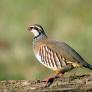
(51, 59)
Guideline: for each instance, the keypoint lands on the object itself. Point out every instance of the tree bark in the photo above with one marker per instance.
(76, 83)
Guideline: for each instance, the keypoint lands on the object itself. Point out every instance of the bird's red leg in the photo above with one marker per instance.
(59, 74)
(50, 80)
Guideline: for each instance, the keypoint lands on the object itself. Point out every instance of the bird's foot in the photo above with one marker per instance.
(50, 80)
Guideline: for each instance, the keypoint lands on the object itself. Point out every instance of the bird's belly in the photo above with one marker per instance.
(46, 64)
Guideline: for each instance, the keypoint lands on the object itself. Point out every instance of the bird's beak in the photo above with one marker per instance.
(30, 28)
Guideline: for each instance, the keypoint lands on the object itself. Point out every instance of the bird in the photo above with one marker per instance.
(53, 54)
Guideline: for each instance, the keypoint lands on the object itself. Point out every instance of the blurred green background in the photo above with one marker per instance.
(67, 20)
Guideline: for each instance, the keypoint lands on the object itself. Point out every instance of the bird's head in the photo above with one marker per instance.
(37, 30)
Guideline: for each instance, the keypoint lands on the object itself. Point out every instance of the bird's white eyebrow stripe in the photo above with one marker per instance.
(38, 27)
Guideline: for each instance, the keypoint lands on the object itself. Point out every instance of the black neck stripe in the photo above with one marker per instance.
(37, 35)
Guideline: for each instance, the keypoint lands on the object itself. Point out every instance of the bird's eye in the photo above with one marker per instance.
(36, 28)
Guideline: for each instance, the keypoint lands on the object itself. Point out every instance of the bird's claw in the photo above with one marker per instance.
(49, 81)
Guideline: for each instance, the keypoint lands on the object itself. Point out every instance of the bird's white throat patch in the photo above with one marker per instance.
(35, 32)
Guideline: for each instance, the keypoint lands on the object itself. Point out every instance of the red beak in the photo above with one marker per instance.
(30, 28)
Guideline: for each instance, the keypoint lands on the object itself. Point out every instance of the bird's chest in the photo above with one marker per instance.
(36, 48)
(39, 57)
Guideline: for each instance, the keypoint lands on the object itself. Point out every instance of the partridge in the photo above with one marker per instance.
(53, 54)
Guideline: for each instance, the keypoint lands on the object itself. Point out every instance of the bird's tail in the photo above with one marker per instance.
(88, 66)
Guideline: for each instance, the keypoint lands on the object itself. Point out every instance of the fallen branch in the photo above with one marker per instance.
(81, 83)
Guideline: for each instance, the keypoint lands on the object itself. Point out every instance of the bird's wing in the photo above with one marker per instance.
(67, 52)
